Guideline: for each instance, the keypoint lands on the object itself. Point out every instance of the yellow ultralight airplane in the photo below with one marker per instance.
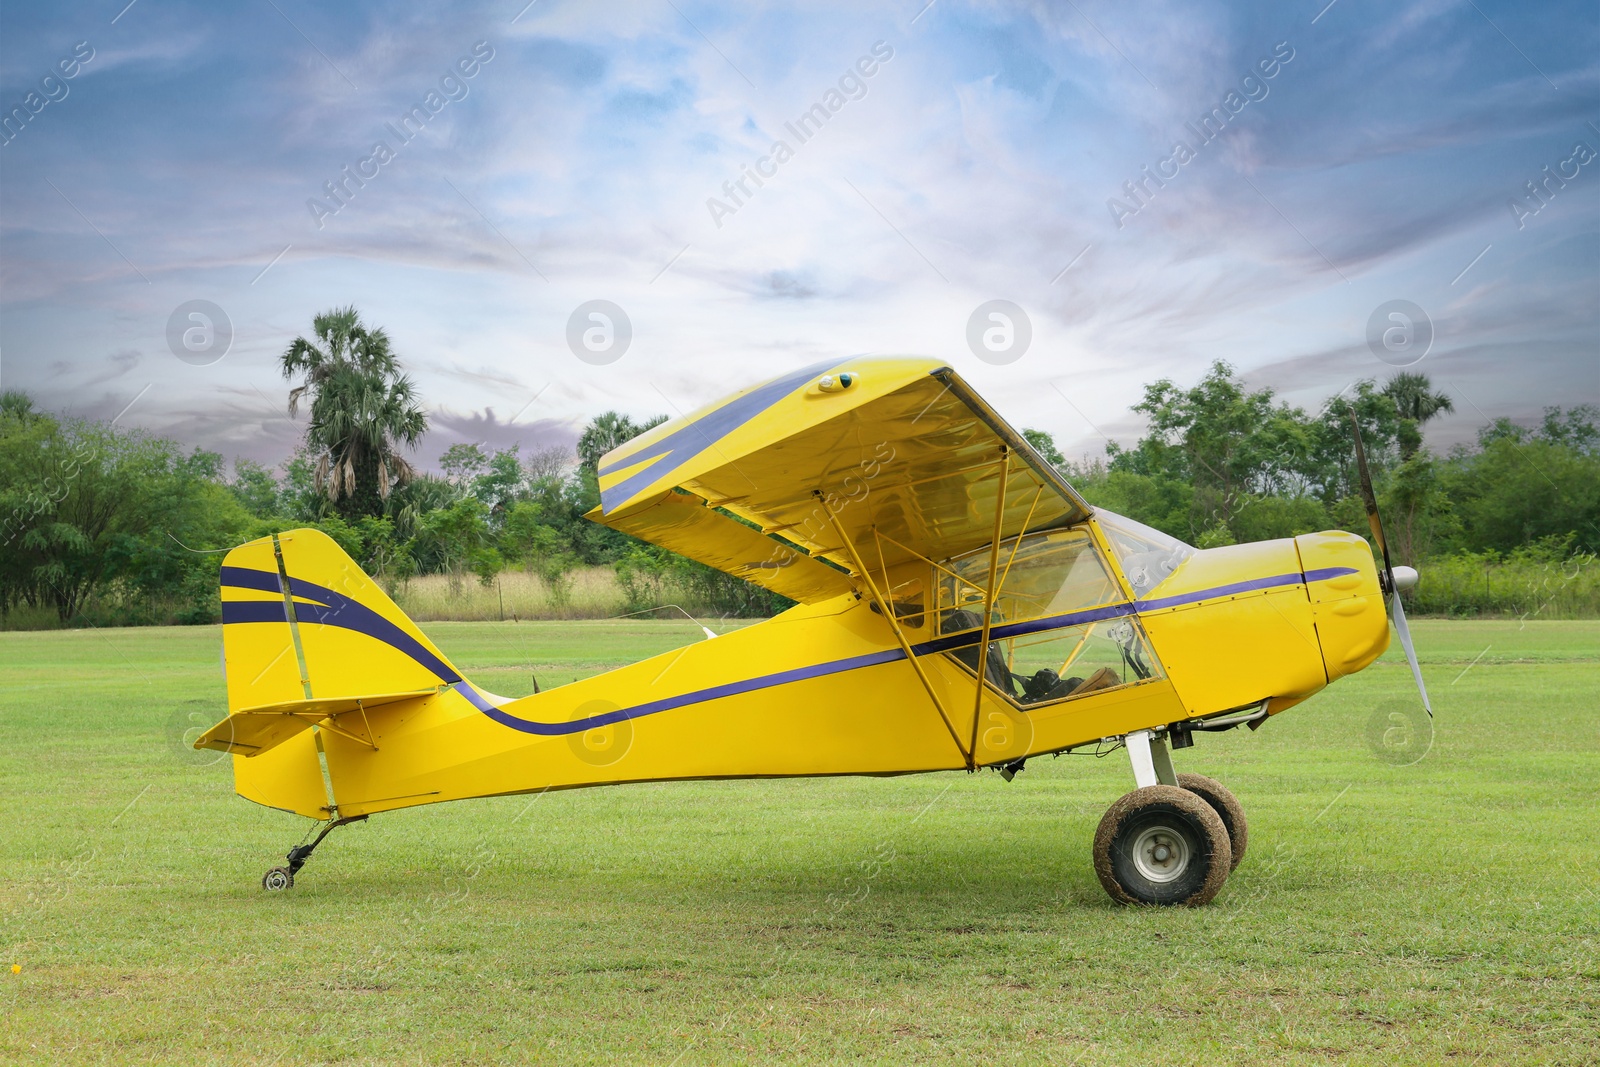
(927, 545)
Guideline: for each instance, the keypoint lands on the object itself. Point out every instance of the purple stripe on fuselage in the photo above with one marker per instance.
(348, 614)
(1233, 588)
(748, 685)
(1019, 629)
(1322, 574)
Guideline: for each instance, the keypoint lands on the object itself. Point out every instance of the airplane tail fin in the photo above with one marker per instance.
(309, 639)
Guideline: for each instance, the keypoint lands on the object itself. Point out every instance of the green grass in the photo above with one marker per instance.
(1443, 912)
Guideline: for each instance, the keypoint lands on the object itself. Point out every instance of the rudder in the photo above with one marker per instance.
(308, 640)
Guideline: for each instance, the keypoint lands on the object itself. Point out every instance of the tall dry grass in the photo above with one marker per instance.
(592, 593)
(1457, 587)
(1453, 587)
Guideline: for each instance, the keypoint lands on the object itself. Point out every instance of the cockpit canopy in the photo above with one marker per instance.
(1147, 556)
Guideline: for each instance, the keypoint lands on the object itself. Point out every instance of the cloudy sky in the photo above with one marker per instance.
(1320, 162)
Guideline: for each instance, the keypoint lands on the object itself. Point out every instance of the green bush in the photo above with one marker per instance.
(651, 576)
(1540, 581)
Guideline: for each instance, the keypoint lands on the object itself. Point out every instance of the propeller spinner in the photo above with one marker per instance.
(1393, 578)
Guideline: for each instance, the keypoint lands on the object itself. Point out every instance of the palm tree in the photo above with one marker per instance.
(362, 409)
(1417, 403)
(606, 432)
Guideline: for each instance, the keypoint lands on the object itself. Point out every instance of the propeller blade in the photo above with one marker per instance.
(1404, 631)
(1370, 499)
(1390, 584)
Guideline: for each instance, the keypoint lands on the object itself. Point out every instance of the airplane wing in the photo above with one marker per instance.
(761, 484)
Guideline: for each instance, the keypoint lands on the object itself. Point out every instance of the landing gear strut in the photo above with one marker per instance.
(280, 878)
(1174, 839)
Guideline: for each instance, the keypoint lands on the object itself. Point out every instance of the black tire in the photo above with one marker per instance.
(1227, 807)
(277, 879)
(1162, 845)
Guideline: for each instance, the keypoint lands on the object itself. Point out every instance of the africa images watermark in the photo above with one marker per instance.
(852, 85)
(999, 332)
(816, 526)
(52, 491)
(53, 89)
(1141, 191)
(1543, 191)
(452, 87)
(599, 332)
(199, 332)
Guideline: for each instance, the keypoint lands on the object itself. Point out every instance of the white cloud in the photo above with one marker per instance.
(988, 145)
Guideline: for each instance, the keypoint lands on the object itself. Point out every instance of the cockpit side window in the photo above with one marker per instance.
(1061, 625)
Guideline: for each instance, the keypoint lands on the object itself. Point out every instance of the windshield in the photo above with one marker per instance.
(1147, 555)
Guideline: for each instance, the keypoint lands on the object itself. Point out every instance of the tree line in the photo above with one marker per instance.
(105, 525)
(1220, 464)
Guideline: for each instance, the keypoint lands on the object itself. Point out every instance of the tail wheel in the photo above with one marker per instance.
(277, 879)
(1162, 845)
(1227, 807)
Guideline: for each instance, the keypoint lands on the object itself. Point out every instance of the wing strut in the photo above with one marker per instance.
(990, 594)
(894, 624)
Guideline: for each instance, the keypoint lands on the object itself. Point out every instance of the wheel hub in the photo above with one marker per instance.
(1161, 854)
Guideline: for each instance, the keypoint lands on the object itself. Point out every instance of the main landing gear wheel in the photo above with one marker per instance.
(1227, 807)
(1162, 845)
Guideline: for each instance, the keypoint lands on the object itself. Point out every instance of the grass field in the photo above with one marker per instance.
(1445, 911)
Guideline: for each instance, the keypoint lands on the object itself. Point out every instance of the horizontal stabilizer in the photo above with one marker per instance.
(251, 731)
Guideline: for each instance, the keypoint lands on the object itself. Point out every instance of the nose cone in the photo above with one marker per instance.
(1346, 600)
